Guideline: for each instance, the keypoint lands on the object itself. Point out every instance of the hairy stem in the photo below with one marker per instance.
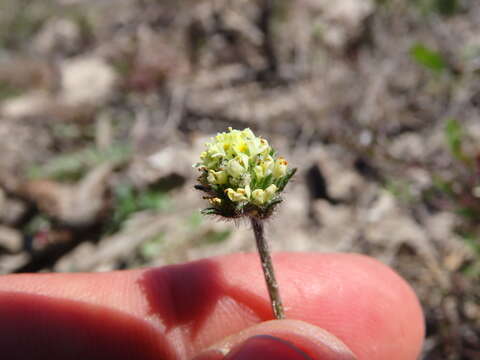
(267, 267)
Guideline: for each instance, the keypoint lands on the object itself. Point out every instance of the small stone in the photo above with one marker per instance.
(10, 263)
(30, 104)
(86, 80)
(341, 20)
(408, 147)
(57, 34)
(11, 240)
(11, 210)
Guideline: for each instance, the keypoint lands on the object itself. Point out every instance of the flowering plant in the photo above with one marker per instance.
(242, 176)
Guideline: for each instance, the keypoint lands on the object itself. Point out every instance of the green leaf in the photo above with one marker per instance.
(71, 167)
(8, 90)
(153, 247)
(275, 201)
(447, 7)
(443, 186)
(216, 237)
(468, 213)
(128, 201)
(442, 7)
(454, 135)
(194, 220)
(472, 241)
(282, 182)
(428, 58)
(267, 180)
(209, 211)
(153, 200)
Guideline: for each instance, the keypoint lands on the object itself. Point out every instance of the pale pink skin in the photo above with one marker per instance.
(176, 312)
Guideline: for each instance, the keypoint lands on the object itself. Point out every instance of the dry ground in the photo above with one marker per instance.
(103, 109)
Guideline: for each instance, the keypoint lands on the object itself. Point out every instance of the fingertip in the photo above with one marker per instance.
(280, 339)
(360, 300)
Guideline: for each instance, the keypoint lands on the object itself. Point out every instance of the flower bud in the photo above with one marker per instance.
(234, 168)
(236, 196)
(217, 177)
(270, 192)
(258, 196)
(280, 168)
(215, 201)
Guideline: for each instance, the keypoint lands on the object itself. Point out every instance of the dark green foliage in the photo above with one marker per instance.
(153, 248)
(282, 182)
(7, 90)
(454, 136)
(128, 201)
(73, 166)
(437, 7)
(428, 58)
(446, 7)
(216, 237)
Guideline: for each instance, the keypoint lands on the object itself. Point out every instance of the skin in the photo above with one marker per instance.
(179, 311)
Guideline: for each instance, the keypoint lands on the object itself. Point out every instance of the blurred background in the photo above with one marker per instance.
(105, 106)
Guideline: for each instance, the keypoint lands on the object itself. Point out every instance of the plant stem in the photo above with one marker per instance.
(267, 267)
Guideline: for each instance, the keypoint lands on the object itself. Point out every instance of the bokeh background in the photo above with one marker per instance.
(105, 105)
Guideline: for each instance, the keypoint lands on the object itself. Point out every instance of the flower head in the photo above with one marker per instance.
(242, 175)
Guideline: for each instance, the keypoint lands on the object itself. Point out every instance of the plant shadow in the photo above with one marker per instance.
(186, 294)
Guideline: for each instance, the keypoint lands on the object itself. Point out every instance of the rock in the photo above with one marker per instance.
(23, 144)
(78, 259)
(3, 199)
(11, 211)
(118, 247)
(40, 104)
(394, 229)
(9, 263)
(342, 181)
(441, 225)
(33, 103)
(172, 160)
(408, 147)
(387, 226)
(58, 35)
(340, 21)
(86, 80)
(338, 226)
(11, 240)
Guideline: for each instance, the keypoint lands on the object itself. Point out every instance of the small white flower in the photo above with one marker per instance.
(235, 169)
(217, 177)
(270, 192)
(237, 196)
(258, 196)
(280, 168)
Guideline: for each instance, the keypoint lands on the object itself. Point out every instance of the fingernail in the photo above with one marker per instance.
(266, 347)
(210, 355)
(280, 339)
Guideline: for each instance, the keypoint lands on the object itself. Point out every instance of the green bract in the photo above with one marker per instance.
(241, 175)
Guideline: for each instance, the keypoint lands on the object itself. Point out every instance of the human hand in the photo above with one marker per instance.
(214, 305)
